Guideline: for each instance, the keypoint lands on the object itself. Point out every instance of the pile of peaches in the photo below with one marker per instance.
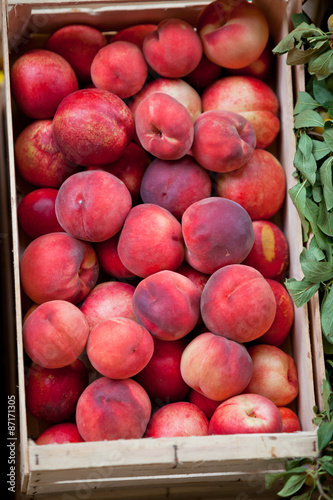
(153, 269)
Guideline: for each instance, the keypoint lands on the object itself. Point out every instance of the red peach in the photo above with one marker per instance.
(44, 261)
(92, 127)
(246, 414)
(270, 251)
(216, 367)
(177, 88)
(40, 80)
(55, 334)
(174, 49)
(36, 212)
(134, 34)
(167, 304)
(151, 240)
(113, 409)
(108, 300)
(284, 316)
(217, 232)
(259, 186)
(204, 74)
(161, 377)
(37, 158)
(274, 374)
(207, 405)
(119, 348)
(290, 421)
(223, 141)
(129, 168)
(250, 97)
(109, 72)
(198, 278)
(109, 261)
(177, 419)
(233, 34)
(92, 205)
(175, 185)
(60, 434)
(78, 44)
(238, 303)
(164, 127)
(52, 393)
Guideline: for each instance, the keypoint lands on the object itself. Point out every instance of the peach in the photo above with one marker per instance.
(129, 168)
(246, 414)
(216, 232)
(92, 127)
(223, 141)
(259, 186)
(109, 261)
(108, 300)
(198, 278)
(119, 348)
(151, 240)
(52, 393)
(44, 262)
(284, 316)
(55, 334)
(290, 421)
(40, 80)
(78, 44)
(59, 434)
(134, 34)
(261, 68)
(174, 49)
(175, 184)
(113, 409)
(274, 374)
(238, 303)
(177, 419)
(37, 158)
(204, 74)
(164, 127)
(177, 88)
(36, 212)
(270, 251)
(109, 72)
(161, 377)
(208, 406)
(216, 367)
(233, 34)
(250, 97)
(92, 205)
(167, 304)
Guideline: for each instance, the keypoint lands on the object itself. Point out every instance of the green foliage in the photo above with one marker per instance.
(312, 195)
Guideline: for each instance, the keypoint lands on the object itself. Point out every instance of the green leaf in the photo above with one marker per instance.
(304, 496)
(305, 145)
(303, 30)
(298, 197)
(326, 392)
(311, 213)
(293, 485)
(325, 219)
(319, 149)
(308, 118)
(321, 65)
(326, 179)
(304, 101)
(299, 18)
(299, 56)
(328, 134)
(314, 251)
(321, 94)
(328, 348)
(317, 194)
(272, 477)
(328, 468)
(313, 270)
(306, 165)
(301, 291)
(324, 434)
(326, 315)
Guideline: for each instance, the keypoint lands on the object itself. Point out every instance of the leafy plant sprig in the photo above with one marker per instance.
(312, 196)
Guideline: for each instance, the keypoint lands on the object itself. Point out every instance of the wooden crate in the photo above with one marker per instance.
(195, 467)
